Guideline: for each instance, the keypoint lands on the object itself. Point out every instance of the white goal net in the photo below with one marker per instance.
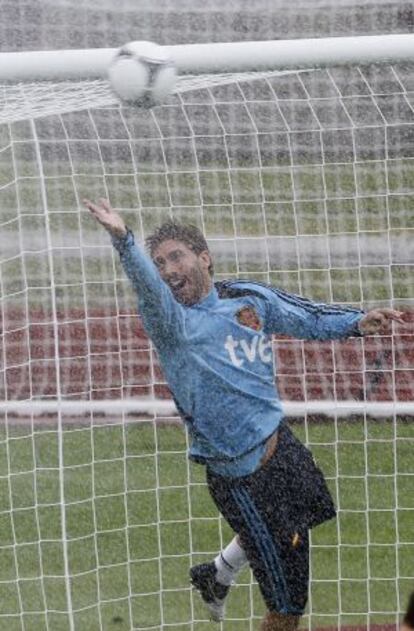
(304, 180)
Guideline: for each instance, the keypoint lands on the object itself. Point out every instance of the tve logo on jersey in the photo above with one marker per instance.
(258, 346)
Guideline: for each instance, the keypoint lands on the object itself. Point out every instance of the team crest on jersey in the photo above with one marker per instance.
(248, 316)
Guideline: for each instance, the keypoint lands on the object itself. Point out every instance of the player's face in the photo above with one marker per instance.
(183, 270)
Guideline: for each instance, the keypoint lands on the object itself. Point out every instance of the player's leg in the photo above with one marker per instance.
(408, 621)
(213, 579)
(272, 510)
(297, 499)
(274, 621)
(230, 561)
(278, 557)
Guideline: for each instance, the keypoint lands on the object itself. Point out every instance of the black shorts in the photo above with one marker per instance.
(272, 510)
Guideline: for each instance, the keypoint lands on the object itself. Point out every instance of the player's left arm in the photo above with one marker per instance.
(299, 317)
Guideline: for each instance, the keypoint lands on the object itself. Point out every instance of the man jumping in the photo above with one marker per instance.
(214, 344)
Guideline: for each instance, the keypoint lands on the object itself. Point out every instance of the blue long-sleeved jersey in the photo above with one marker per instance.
(221, 371)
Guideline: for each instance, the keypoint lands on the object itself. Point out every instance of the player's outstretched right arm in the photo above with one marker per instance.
(162, 315)
(107, 217)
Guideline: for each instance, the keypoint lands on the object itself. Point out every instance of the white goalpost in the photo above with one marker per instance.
(197, 59)
(296, 159)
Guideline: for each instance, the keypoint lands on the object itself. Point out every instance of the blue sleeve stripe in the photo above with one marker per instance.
(243, 287)
(311, 306)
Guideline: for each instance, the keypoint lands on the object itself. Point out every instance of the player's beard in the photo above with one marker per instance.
(194, 288)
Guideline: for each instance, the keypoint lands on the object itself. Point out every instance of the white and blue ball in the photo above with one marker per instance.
(142, 74)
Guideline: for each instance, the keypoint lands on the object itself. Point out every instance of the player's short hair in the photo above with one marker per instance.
(188, 234)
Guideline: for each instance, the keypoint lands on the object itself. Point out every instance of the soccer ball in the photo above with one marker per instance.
(142, 74)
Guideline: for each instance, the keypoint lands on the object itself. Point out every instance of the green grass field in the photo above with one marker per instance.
(138, 515)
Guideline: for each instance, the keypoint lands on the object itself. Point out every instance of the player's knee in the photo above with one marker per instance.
(274, 621)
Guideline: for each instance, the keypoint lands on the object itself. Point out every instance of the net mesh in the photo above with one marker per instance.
(304, 180)
(27, 100)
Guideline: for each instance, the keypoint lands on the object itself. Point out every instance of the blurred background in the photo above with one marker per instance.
(44, 24)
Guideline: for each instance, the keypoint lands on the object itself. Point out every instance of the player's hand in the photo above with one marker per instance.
(377, 320)
(107, 217)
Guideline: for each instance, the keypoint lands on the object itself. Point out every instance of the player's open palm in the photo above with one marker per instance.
(377, 320)
(107, 217)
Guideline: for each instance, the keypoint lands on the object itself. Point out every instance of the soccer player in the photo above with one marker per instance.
(408, 620)
(214, 344)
